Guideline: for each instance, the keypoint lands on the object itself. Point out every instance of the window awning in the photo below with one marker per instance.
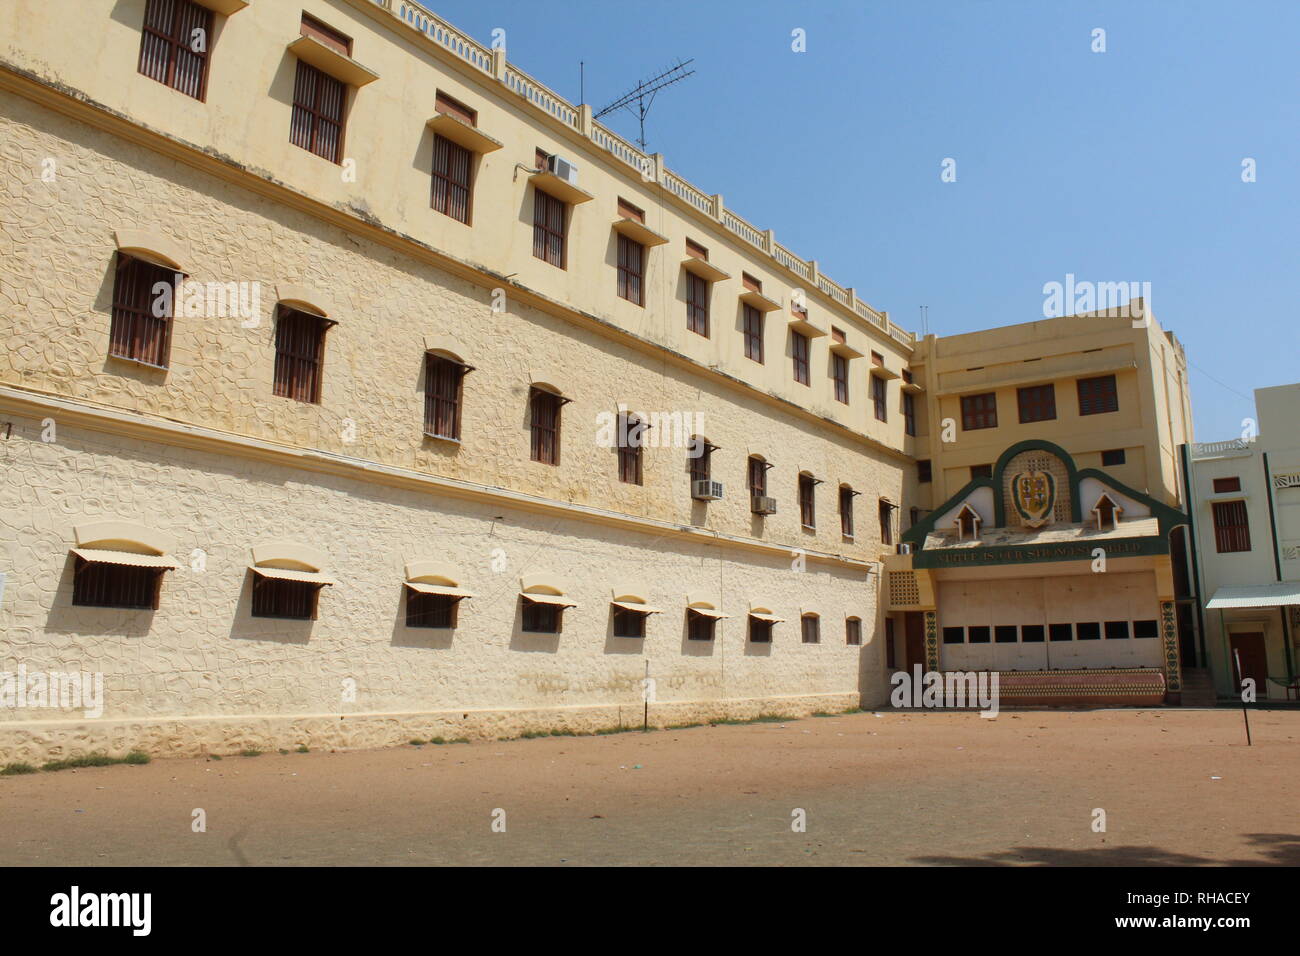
(770, 618)
(636, 606)
(446, 590)
(558, 600)
(708, 612)
(286, 574)
(1283, 594)
(128, 558)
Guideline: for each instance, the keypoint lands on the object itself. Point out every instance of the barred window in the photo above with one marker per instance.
(909, 414)
(539, 618)
(1231, 527)
(544, 415)
(700, 627)
(294, 600)
(631, 270)
(443, 388)
(753, 334)
(760, 631)
(144, 296)
(886, 511)
(811, 626)
(174, 45)
(807, 501)
(629, 623)
(697, 304)
(701, 464)
(1098, 395)
(96, 584)
(853, 631)
(979, 411)
(629, 449)
(758, 476)
(451, 171)
(299, 354)
(878, 398)
(317, 121)
(799, 351)
(430, 610)
(846, 511)
(549, 215)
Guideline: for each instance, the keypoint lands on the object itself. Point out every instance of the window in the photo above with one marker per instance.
(760, 631)
(1146, 629)
(701, 462)
(1231, 529)
(1032, 633)
(1087, 631)
(847, 495)
(807, 501)
(339, 43)
(98, 584)
(967, 524)
(799, 350)
(954, 635)
(909, 414)
(549, 220)
(138, 333)
(757, 476)
(981, 471)
(697, 304)
(923, 474)
(299, 354)
(1004, 634)
(889, 642)
(750, 283)
(629, 449)
(1117, 630)
(451, 166)
(853, 632)
(294, 600)
(811, 626)
(541, 618)
(1097, 395)
(1227, 485)
(878, 398)
(1060, 632)
(753, 320)
(1114, 456)
(629, 623)
(631, 270)
(174, 45)
(317, 120)
(443, 385)
(977, 635)
(886, 511)
(840, 373)
(696, 250)
(430, 610)
(454, 107)
(1037, 403)
(544, 424)
(699, 626)
(979, 411)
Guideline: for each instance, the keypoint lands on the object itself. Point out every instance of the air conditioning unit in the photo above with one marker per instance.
(905, 547)
(706, 490)
(762, 505)
(563, 168)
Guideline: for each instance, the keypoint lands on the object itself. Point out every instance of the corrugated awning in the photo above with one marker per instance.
(634, 606)
(285, 574)
(99, 556)
(444, 589)
(1261, 595)
(770, 618)
(708, 612)
(558, 600)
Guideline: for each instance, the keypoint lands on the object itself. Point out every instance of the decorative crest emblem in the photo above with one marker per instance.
(1034, 494)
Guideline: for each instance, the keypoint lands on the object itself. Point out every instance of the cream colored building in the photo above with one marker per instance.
(318, 494)
(1246, 518)
(1047, 537)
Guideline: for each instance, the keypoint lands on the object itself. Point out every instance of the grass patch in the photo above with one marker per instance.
(417, 742)
(96, 760)
(303, 749)
(214, 756)
(250, 752)
(15, 769)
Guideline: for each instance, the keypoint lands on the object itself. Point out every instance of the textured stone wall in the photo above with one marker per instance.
(202, 655)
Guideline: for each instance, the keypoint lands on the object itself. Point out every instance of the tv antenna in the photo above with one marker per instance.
(639, 99)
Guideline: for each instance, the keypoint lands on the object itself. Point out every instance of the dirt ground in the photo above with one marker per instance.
(1177, 786)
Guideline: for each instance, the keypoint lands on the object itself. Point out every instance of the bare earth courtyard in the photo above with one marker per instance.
(1178, 787)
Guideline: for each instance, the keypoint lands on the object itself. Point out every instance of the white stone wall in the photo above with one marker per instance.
(202, 656)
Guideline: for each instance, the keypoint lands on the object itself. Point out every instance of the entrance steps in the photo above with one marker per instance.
(1198, 688)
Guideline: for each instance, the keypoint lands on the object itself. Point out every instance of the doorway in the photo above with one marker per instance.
(914, 640)
(1248, 648)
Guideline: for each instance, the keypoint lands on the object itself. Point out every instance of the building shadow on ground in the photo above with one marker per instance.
(1275, 849)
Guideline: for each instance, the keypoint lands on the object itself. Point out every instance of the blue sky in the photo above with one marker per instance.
(1117, 166)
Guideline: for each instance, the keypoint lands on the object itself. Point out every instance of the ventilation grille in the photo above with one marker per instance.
(903, 591)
